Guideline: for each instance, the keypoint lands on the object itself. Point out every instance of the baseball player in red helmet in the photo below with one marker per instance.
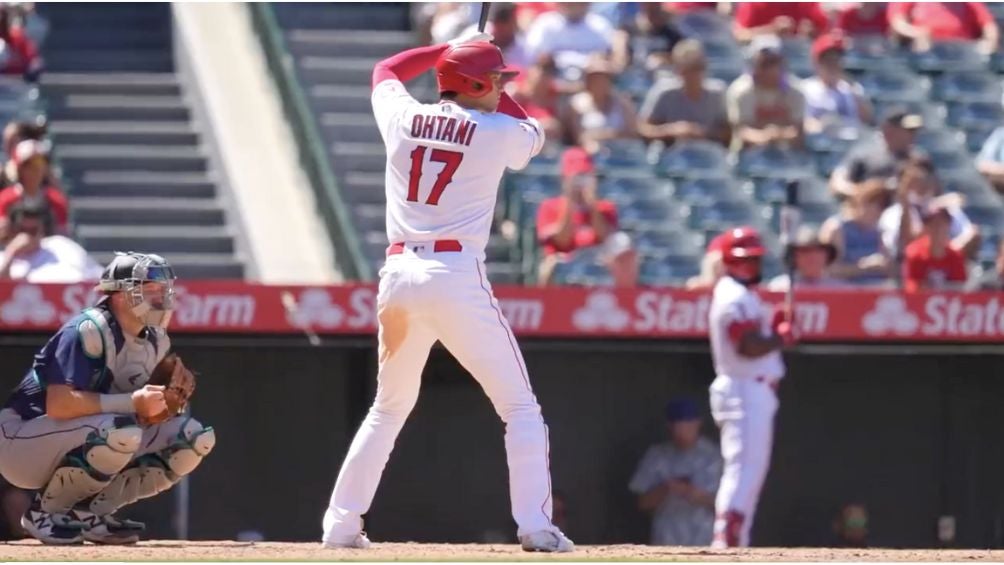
(746, 343)
(444, 164)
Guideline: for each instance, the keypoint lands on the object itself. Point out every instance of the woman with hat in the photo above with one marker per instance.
(599, 113)
(812, 258)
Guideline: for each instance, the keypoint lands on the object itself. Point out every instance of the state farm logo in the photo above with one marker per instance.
(214, 309)
(314, 308)
(27, 305)
(890, 315)
(601, 311)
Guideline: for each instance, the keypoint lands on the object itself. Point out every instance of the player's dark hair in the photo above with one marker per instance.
(503, 12)
(448, 95)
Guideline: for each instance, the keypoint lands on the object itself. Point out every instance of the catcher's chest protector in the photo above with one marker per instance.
(129, 361)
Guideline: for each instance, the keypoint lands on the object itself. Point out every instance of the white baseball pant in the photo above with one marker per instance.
(424, 296)
(744, 410)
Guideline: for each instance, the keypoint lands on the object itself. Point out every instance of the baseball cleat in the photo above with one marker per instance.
(108, 530)
(358, 541)
(549, 541)
(50, 528)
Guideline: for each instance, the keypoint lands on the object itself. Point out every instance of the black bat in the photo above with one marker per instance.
(790, 219)
(483, 20)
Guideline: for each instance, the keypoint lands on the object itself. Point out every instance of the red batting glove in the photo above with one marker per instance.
(787, 333)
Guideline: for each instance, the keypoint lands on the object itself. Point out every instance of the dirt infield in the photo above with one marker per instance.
(275, 551)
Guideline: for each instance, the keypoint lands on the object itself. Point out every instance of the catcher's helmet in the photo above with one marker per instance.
(128, 272)
(742, 249)
(464, 68)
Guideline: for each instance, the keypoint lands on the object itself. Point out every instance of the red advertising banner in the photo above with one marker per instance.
(238, 307)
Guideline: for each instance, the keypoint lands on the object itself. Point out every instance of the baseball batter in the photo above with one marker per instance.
(746, 343)
(444, 164)
(85, 430)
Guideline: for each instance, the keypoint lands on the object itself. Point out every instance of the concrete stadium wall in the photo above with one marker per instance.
(913, 437)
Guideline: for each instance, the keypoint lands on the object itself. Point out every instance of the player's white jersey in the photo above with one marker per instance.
(444, 164)
(734, 309)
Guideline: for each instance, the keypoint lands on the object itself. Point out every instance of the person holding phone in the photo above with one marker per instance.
(677, 479)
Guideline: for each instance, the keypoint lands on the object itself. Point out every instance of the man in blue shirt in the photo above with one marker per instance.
(76, 429)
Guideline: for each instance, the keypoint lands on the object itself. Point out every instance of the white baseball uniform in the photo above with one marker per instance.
(743, 403)
(444, 164)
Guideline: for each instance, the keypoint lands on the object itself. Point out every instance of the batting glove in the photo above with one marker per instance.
(786, 333)
(470, 36)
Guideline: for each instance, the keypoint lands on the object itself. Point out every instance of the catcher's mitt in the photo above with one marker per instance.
(178, 383)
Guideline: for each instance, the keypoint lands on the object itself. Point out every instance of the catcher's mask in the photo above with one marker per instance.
(147, 280)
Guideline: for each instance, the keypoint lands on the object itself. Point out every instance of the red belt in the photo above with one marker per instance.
(438, 246)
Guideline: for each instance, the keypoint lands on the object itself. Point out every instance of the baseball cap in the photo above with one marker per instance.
(576, 161)
(807, 237)
(827, 42)
(770, 44)
(718, 243)
(29, 149)
(902, 117)
(681, 410)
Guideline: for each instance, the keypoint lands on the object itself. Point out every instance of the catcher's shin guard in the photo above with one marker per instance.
(87, 469)
(153, 473)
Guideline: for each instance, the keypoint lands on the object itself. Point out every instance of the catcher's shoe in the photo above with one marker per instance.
(549, 541)
(52, 528)
(358, 541)
(108, 530)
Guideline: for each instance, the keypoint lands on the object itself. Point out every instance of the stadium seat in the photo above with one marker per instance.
(966, 114)
(663, 242)
(773, 161)
(721, 48)
(645, 214)
(932, 112)
(774, 190)
(895, 85)
(940, 139)
(726, 70)
(812, 213)
(991, 216)
(671, 271)
(798, 57)
(635, 81)
(692, 158)
(873, 54)
(704, 190)
(721, 215)
(967, 181)
(622, 153)
(703, 24)
(621, 188)
(835, 137)
(950, 56)
(967, 87)
(976, 136)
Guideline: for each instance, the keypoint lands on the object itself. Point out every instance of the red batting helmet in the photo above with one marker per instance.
(739, 245)
(464, 68)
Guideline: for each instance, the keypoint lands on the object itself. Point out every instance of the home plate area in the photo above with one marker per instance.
(169, 550)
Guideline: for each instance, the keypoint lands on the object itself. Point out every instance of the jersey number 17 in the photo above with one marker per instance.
(451, 161)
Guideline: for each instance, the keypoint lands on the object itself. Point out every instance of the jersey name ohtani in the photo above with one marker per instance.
(442, 128)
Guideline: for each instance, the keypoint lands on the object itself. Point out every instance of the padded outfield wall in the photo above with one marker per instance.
(913, 432)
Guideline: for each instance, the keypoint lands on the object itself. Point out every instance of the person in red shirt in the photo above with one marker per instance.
(19, 55)
(863, 19)
(931, 262)
(784, 19)
(576, 219)
(925, 22)
(31, 159)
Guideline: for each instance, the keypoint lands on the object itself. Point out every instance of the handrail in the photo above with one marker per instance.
(311, 147)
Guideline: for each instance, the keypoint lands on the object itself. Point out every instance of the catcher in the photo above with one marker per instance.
(98, 422)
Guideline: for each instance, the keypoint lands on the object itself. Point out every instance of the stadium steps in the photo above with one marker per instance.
(129, 152)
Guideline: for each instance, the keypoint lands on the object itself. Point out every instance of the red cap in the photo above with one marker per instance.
(826, 42)
(576, 161)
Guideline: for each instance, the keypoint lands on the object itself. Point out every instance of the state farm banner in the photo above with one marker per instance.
(243, 308)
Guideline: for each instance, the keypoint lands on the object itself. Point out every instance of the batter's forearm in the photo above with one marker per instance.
(407, 65)
(754, 344)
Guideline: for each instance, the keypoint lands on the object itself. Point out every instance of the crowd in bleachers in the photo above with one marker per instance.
(35, 242)
(694, 117)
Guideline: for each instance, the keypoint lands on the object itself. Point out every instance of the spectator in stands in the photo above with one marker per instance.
(851, 526)
(831, 97)
(687, 7)
(646, 40)
(688, 106)
(922, 23)
(31, 253)
(600, 112)
(32, 164)
(14, 502)
(764, 106)
(502, 26)
(861, 257)
(863, 19)
(14, 133)
(784, 19)
(917, 186)
(571, 35)
(18, 53)
(576, 219)
(994, 279)
(712, 267)
(676, 480)
(990, 161)
(449, 19)
(812, 258)
(621, 259)
(875, 161)
(931, 262)
(536, 90)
